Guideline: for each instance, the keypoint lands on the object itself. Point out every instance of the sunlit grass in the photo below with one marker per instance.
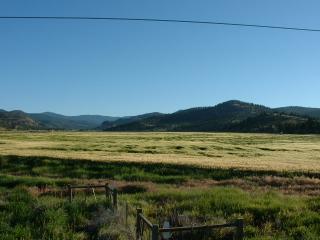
(225, 150)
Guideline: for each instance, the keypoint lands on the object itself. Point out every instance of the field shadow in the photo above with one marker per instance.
(55, 169)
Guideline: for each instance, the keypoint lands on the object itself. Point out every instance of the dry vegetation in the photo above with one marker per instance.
(225, 150)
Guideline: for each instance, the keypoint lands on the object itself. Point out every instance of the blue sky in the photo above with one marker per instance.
(126, 68)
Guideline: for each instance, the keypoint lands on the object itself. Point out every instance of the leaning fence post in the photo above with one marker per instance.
(70, 192)
(155, 232)
(138, 225)
(240, 232)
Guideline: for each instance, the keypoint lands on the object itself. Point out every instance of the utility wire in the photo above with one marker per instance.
(160, 20)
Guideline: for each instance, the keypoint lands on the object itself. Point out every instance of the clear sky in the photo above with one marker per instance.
(126, 68)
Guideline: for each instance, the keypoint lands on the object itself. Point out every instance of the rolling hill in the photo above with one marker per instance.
(277, 122)
(50, 120)
(231, 116)
(217, 118)
(17, 120)
(305, 111)
(127, 120)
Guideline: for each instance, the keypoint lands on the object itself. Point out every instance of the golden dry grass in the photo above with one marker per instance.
(225, 150)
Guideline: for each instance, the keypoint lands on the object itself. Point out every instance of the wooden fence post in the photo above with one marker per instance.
(155, 232)
(70, 193)
(240, 232)
(138, 225)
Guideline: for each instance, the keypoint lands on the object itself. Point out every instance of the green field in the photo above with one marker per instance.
(272, 181)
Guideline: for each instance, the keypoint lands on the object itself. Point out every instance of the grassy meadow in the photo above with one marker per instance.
(272, 181)
(224, 150)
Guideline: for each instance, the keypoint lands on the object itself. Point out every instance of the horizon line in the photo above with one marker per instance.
(137, 114)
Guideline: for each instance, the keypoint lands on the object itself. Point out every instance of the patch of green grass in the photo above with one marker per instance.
(267, 215)
(11, 181)
(24, 216)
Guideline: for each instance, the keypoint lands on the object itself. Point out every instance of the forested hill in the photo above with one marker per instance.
(17, 120)
(217, 118)
(48, 121)
(127, 120)
(305, 111)
(275, 122)
(233, 116)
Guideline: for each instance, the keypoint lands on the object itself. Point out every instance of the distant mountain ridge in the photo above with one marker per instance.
(232, 116)
(51, 120)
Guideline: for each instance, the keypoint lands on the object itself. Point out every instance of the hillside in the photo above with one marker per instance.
(217, 118)
(50, 120)
(126, 120)
(305, 111)
(231, 116)
(275, 122)
(17, 120)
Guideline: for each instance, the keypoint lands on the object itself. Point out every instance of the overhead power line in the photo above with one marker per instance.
(161, 21)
